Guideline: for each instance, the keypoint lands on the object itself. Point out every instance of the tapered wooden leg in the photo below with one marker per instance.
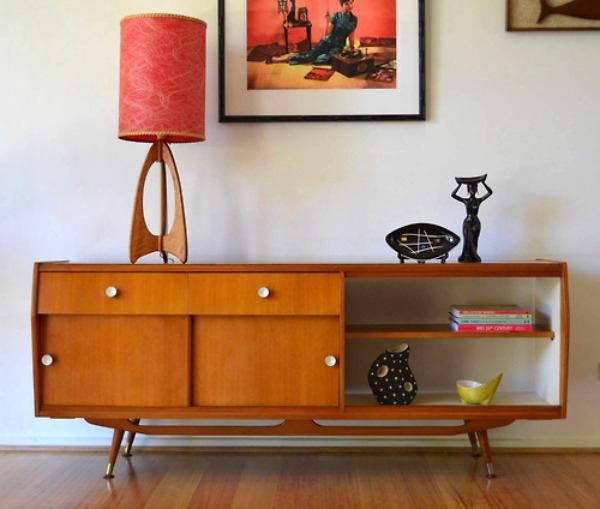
(128, 444)
(114, 452)
(485, 451)
(474, 447)
(130, 439)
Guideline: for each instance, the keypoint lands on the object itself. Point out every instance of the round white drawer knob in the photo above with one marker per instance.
(330, 361)
(263, 292)
(47, 359)
(111, 292)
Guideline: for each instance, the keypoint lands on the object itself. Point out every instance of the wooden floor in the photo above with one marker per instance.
(297, 479)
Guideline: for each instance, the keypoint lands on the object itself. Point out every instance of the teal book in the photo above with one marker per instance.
(492, 319)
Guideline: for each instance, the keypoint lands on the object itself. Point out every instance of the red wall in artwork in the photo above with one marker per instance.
(376, 18)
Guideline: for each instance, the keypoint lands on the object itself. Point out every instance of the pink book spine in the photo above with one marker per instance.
(492, 327)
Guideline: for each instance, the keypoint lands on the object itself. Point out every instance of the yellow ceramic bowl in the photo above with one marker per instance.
(470, 391)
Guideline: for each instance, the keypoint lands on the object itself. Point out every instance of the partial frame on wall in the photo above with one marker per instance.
(552, 15)
(239, 102)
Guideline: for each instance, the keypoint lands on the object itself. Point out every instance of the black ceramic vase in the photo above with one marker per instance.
(391, 379)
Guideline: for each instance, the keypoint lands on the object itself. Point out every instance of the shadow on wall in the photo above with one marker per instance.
(584, 291)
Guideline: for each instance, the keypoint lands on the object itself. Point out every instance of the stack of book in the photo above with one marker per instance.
(490, 318)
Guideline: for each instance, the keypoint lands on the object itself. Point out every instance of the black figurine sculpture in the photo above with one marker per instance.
(471, 224)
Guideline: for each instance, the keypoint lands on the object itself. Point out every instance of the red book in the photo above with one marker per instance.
(461, 327)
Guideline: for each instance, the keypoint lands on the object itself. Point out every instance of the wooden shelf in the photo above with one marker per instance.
(447, 406)
(452, 399)
(412, 331)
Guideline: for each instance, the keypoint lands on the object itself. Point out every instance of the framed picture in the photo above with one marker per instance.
(355, 60)
(537, 15)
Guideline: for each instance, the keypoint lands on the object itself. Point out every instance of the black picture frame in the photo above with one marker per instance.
(405, 103)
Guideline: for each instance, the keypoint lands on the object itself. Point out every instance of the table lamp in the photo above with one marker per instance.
(161, 101)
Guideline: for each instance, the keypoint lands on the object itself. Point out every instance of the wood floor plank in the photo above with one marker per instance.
(255, 479)
(385, 479)
(343, 476)
(216, 488)
(454, 476)
(257, 486)
(583, 471)
(178, 486)
(537, 480)
(307, 480)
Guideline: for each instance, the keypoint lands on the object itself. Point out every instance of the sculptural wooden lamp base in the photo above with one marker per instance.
(161, 101)
(143, 241)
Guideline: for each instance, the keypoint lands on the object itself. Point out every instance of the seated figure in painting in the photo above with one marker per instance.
(340, 27)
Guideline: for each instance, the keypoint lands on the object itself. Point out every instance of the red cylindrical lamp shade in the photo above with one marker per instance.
(162, 83)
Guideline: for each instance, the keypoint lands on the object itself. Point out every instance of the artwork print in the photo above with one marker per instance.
(321, 60)
(352, 42)
(552, 15)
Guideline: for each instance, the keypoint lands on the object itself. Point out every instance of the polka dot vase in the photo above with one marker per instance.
(391, 379)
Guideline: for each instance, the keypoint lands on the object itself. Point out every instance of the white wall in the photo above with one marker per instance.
(523, 108)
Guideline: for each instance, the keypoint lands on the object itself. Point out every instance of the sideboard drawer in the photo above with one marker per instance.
(265, 293)
(105, 293)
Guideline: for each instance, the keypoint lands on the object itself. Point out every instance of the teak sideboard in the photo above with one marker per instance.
(290, 346)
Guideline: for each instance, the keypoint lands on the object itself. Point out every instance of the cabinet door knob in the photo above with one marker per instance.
(330, 361)
(263, 292)
(47, 359)
(111, 292)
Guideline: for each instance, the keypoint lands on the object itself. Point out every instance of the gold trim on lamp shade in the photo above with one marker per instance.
(151, 136)
(163, 15)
